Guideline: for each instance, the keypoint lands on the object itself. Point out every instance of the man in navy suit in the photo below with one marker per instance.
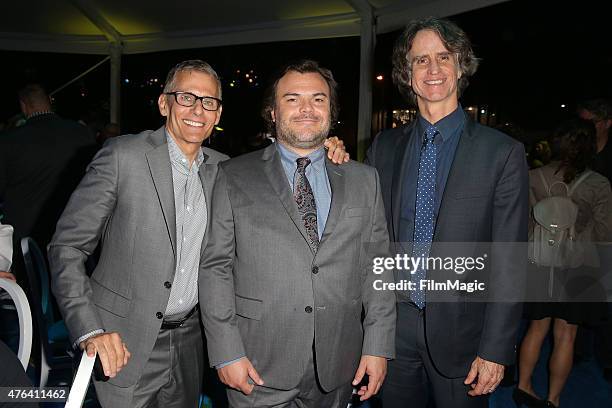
(447, 179)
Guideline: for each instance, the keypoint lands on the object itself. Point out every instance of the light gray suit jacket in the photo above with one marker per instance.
(258, 274)
(126, 201)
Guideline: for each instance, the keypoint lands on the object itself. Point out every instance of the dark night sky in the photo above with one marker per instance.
(536, 55)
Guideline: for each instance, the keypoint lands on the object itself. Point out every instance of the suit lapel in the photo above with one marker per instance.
(158, 160)
(335, 174)
(275, 174)
(400, 162)
(456, 177)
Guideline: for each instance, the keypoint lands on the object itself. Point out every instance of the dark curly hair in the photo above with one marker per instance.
(578, 147)
(454, 39)
(302, 66)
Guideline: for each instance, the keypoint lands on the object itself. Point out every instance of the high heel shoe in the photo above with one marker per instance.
(549, 404)
(521, 398)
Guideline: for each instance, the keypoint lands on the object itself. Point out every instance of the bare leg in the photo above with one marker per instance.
(530, 352)
(561, 360)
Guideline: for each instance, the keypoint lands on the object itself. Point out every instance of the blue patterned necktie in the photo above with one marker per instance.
(304, 198)
(424, 217)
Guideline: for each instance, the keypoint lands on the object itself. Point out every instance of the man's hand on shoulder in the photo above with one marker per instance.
(376, 369)
(7, 275)
(113, 352)
(488, 375)
(237, 375)
(336, 151)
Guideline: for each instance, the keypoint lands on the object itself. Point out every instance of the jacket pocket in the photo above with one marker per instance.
(249, 308)
(109, 300)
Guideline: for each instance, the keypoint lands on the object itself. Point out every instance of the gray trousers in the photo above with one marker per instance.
(307, 394)
(412, 378)
(172, 377)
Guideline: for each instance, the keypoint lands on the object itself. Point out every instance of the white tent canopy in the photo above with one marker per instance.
(116, 27)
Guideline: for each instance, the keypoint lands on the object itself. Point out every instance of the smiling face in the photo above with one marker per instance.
(190, 126)
(302, 111)
(435, 72)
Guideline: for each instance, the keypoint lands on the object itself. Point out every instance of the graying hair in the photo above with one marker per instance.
(191, 65)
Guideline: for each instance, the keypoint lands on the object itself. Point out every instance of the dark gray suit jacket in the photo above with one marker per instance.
(126, 201)
(485, 200)
(259, 278)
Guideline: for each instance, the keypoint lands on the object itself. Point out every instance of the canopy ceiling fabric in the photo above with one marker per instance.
(142, 26)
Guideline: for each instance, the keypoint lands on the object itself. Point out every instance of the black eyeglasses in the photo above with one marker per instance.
(187, 99)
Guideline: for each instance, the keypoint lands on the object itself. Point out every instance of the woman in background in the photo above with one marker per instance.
(594, 223)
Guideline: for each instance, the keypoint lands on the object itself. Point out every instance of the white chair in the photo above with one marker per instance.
(81, 382)
(25, 319)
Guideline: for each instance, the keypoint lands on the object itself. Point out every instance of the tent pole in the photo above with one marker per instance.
(366, 64)
(115, 82)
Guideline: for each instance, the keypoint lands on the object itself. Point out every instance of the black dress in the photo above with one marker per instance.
(577, 295)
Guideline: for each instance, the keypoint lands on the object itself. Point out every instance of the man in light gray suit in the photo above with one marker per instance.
(284, 277)
(145, 197)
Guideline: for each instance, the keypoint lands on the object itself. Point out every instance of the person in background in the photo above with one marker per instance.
(41, 163)
(594, 223)
(599, 111)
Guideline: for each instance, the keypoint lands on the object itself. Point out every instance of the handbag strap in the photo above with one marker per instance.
(548, 188)
(579, 180)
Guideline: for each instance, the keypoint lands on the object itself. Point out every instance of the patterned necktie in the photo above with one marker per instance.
(424, 218)
(304, 198)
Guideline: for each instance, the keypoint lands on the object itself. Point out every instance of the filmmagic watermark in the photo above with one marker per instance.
(411, 264)
(429, 285)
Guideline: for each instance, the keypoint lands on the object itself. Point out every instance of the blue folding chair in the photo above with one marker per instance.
(52, 333)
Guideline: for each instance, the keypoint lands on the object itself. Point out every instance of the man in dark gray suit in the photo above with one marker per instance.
(448, 179)
(285, 275)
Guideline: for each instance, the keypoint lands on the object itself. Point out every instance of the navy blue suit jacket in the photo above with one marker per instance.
(485, 200)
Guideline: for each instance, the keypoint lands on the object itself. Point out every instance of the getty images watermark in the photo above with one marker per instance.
(489, 272)
(404, 264)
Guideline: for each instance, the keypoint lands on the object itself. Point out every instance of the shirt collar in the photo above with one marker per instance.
(448, 126)
(178, 157)
(290, 157)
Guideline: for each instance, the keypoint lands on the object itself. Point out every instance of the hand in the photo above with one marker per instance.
(376, 369)
(489, 375)
(335, 150)
(237, 374)
(113, 352)
(7, 275)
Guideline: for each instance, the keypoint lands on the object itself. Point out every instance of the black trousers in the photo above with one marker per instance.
(412, 380)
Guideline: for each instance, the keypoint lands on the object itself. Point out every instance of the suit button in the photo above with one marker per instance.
(308, 309)
(315, 269)
(167, 284)
(159, 315)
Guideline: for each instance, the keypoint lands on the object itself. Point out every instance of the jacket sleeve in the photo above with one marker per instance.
(379, 305)
(76, 236)
(508, 262)
(216, 280)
